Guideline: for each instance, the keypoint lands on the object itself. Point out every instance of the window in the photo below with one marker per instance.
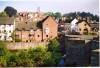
(23, 28)
(17, 36)
(16, 29)
(84, 24)
(79, 29)
(9, 31)
(26, 22)
(9, 24)
(46, 35)
(4, 30)
(38, 35)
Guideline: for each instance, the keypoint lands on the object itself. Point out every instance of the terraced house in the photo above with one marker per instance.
(35, 27)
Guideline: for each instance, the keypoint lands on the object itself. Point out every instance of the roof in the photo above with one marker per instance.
(26, 26)
(39, 24)
(34, 25)
(94, 25)
(82, 21)
(6, 20)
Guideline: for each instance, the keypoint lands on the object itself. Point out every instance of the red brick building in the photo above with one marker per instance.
(40, 30)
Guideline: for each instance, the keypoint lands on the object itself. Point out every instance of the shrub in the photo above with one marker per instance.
(54, 45)
(3, 53)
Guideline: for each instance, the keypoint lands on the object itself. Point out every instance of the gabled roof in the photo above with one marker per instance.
(39, 24)
(6, 20)
(30, 25)
(83, 21)
(26, 26)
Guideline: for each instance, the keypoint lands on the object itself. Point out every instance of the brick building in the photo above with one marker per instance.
(40, 30)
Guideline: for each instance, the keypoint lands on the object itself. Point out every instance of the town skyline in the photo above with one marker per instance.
(63, 6)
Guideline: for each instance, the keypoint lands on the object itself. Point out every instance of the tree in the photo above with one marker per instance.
(72, 15)
(54, 48)
(3, 14)
(3, 53)
(54, 45)
(50, 14)
(10, 11)
(57, 15)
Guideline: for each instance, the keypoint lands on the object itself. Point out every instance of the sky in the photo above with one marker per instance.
(63, 6)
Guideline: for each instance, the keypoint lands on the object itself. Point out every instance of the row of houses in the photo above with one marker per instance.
(29, 27)
(80, 26)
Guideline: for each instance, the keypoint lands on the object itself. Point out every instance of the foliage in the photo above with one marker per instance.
(10, 11)
(92, 33)
(57, 15)
(3, 53)
(54, 45)
(54, 48)
(72, 15)
(49, 14)
(37, 56)
(3, 14)
(3, 48)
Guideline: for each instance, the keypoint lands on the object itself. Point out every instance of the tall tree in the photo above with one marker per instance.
(10, 11)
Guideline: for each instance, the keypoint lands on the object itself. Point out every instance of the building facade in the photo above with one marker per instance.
(83, 27)
(40, 30)
(6, 28)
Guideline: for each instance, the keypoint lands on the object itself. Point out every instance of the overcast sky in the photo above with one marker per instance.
(63, 6)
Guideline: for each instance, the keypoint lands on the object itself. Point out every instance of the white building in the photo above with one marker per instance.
(74, 25)
(6, 28)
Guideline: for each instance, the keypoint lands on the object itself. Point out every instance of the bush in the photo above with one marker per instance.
(38, 56)
(3, 53)
(54, 45)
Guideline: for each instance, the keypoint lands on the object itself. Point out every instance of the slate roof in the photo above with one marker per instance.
(6, 20)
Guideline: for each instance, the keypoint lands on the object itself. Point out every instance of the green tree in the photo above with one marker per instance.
(50, 14)
(57, 15)
(54, 45)
(10, 11)
(3, 14)
(54, 48)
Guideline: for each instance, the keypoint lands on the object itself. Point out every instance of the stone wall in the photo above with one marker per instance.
(77, 52)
